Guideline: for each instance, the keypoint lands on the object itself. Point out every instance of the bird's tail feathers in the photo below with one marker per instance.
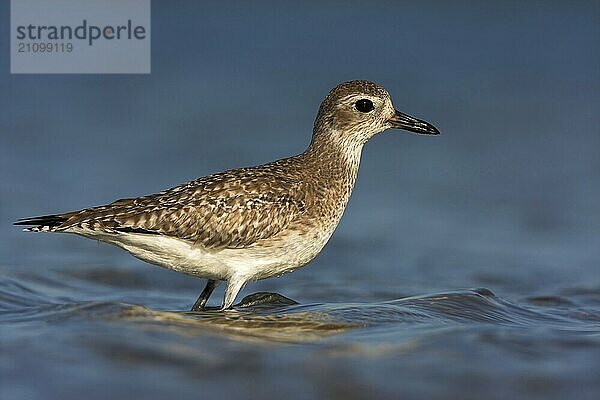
(43, 223)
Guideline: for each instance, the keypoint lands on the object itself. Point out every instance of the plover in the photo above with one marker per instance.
(250, 223)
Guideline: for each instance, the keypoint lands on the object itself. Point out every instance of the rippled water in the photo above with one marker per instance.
(466, 266)
(468, 342)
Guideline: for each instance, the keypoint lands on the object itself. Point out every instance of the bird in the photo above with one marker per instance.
(251, 223)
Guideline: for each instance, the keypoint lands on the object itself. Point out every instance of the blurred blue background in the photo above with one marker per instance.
(506, 198)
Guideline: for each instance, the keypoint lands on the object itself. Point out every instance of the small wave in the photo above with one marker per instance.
(272, 318)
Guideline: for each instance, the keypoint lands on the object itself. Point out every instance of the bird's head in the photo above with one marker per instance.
(354, 111)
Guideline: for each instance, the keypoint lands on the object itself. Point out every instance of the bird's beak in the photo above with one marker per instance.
(402, 121)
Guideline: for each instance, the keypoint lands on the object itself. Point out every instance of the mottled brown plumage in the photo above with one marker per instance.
(232, 209)
(272, 218)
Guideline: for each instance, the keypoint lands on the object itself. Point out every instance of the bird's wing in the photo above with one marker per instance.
(218, 211)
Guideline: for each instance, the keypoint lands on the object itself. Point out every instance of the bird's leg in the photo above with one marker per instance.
(234, 285)
(211, 284)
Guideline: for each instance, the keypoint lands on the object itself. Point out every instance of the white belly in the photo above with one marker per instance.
(290, 252)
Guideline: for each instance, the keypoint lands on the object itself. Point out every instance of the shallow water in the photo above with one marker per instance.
(466, 265)
(468, 341)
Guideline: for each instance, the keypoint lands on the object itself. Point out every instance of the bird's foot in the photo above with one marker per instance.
(265, 299)
(259, 299)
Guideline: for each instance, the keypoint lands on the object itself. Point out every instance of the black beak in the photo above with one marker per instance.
(406, 122)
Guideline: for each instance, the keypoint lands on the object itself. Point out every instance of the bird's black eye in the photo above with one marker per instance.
(364, 105)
